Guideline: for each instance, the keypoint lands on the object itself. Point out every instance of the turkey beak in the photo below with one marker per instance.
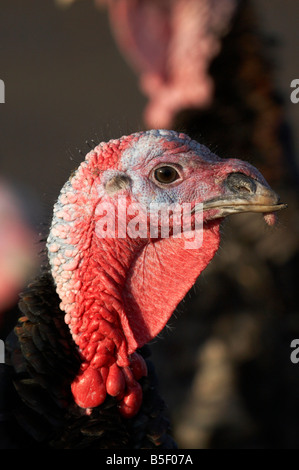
(243, 194)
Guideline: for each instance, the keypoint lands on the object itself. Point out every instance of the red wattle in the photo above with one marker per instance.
(138, 366)
(130, 404)
(116, 383)
(89, 388)
(155, 286)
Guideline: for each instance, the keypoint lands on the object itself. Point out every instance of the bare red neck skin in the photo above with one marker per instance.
(158, 279)
(126, 294)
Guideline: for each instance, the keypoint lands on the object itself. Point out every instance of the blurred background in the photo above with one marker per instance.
(224, 368)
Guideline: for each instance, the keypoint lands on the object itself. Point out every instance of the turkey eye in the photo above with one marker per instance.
(166, 174)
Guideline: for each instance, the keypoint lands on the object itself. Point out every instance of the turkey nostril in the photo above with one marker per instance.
(240, 183)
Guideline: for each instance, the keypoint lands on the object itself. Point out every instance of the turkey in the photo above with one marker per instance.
(78, 373)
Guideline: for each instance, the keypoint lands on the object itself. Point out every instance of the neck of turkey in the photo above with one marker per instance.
(118, 291)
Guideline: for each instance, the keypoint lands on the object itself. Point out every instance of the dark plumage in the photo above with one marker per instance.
(38, 409)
